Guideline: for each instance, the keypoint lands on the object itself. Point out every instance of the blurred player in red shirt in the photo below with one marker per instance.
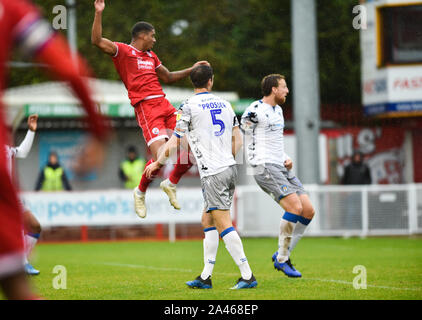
(140, 70)
(21, 26)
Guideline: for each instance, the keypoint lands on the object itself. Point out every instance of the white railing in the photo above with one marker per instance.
(113, 208)
(340, 210)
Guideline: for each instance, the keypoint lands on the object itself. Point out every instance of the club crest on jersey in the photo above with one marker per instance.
(133, 52)
(284, 188)
(155, 131)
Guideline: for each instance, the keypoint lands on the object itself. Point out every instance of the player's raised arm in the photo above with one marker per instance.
(26, 145)
(33, 122)
(172, 76)
(97, 39)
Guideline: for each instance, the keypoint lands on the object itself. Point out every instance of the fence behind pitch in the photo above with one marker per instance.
(340, 210)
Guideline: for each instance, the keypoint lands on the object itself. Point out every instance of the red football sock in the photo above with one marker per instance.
(144, 183)
(182, 165)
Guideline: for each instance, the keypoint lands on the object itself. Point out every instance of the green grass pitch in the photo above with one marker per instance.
(148, 270)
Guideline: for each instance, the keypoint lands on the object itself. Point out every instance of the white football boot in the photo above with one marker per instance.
(140, 208)
(171, 193)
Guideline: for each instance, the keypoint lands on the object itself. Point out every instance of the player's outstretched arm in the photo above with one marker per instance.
(173, 76)
(97, 39)
(164, 154)
(56, 54)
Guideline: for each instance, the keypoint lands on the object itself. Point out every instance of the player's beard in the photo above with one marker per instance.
(281, 101)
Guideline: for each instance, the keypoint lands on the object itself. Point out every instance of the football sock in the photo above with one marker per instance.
(298, 232)
(144, 183)
(210, 242)
(182, 165)
(287, 225)
(139, 192)
(30, 242)
(168, 183)
(235, 248)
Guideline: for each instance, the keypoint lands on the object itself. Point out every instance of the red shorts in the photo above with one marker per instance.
(11, 241)
(156, 117)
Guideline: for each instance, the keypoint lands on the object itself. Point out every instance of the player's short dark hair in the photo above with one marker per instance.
(269, 82)
(200, 76)
(141, 27)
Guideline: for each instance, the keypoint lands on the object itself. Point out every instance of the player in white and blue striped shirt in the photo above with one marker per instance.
(214, 137)
(31, 224)
(263, 124)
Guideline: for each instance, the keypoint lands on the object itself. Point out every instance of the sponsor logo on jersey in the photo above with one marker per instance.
(145, 64)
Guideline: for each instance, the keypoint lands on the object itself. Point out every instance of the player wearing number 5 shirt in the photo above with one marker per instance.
(214, 136)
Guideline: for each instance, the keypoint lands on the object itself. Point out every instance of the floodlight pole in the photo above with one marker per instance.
(71, 25)
(305, 89)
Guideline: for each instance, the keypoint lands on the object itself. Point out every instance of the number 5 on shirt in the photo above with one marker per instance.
(217, 122)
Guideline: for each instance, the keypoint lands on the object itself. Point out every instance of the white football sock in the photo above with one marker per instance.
(287, 225)
(139, 192)
(169, 183)
(235, 247)
(30, 242)
(210, 242)
(300, 228)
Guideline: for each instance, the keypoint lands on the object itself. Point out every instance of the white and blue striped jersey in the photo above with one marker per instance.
(263, 125)
(19, 152)
(208, 121)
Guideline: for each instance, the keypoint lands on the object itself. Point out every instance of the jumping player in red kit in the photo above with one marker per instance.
(22, 26)
(140, 70)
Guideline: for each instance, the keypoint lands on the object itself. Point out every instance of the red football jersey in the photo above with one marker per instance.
(137, 69)
(21, 26)
(16, 18)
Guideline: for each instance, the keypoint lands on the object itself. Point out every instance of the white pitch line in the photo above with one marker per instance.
(368, 285)
(139, 266)
(145, 267)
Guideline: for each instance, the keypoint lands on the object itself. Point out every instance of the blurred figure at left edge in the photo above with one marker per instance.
(21, 26)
